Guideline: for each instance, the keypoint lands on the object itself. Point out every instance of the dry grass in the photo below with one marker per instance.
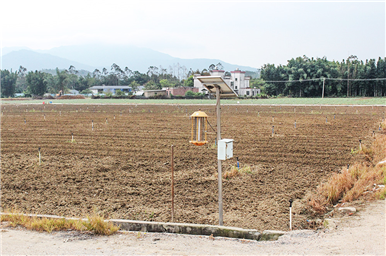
(359, 180)
(99, 226)
(95, 223)
(234, 171)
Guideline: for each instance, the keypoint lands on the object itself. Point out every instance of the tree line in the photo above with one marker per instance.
(303, 77)
(53, 81)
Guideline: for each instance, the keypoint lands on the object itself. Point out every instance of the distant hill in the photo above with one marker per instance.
(90, 57)
(135, 58)
(6, 50)
(37, 61)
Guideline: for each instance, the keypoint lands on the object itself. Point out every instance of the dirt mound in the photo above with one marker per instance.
(71, 97)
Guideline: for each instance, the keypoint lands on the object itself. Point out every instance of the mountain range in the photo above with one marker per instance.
(91, 57)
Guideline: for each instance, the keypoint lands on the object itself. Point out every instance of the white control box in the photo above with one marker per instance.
(225, 149)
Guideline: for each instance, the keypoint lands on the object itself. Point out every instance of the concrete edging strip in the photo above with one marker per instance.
(187, 228)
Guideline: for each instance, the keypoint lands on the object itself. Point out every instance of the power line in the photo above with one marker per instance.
(321, 79)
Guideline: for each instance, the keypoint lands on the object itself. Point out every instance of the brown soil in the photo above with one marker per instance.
(122, 167)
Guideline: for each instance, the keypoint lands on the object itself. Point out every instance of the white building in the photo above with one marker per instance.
(237, 81)
(109, 88)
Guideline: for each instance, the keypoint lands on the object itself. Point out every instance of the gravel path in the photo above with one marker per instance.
(361, 233)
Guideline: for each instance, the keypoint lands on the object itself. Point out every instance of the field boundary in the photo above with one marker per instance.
(378, 101)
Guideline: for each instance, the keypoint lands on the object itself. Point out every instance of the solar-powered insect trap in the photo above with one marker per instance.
(199, 128)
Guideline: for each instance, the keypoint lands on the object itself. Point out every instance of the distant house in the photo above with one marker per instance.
(237, 81)
(109, 88)
(153, 93)
(178, 91)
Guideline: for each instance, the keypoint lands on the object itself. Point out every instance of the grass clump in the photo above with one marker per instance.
(99, 226)
(234, 171)
(95, 224)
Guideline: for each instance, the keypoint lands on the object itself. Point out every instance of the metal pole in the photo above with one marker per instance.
(324, 79)
(348, 76)
(220, 212)
(172, 160)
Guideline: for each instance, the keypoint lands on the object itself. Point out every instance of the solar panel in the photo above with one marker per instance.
(212, 82)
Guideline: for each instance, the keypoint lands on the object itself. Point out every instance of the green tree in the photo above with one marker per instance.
(166, 83)
(151, 85)
(8, 83)
(189, 82)
(190, 94)
(134, 86)
(119, 93)
(37, 84)
(61, 80)
(21, 82)
(86, 91)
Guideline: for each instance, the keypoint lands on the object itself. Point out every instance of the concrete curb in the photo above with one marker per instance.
(181, 228)
(187, 228)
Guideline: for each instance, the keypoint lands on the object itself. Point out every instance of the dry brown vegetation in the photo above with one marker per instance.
(95, 223)
(361, 179)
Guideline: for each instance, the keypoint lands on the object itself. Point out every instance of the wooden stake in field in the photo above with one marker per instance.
(273, 130)
(172, 165)
(360, 145)
(373, 133)
(326, 119)
(92, 125)
(72, 137)
(40, 158)
(106, 120)
(44, 116)
(273, 119)
(114, 117)
(290, 210)
(295, 124)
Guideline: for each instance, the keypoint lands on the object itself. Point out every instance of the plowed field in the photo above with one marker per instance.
(122, 166)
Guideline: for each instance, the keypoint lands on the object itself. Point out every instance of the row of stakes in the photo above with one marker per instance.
(273, 127)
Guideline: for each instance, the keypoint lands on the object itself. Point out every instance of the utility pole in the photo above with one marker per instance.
(354, 57)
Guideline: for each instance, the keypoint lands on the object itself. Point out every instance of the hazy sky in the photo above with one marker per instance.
(248, 33)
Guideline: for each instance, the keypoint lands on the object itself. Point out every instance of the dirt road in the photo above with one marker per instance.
(362, 233)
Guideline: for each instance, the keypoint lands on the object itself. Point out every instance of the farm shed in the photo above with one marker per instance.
(180, 91)
(153, 93)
